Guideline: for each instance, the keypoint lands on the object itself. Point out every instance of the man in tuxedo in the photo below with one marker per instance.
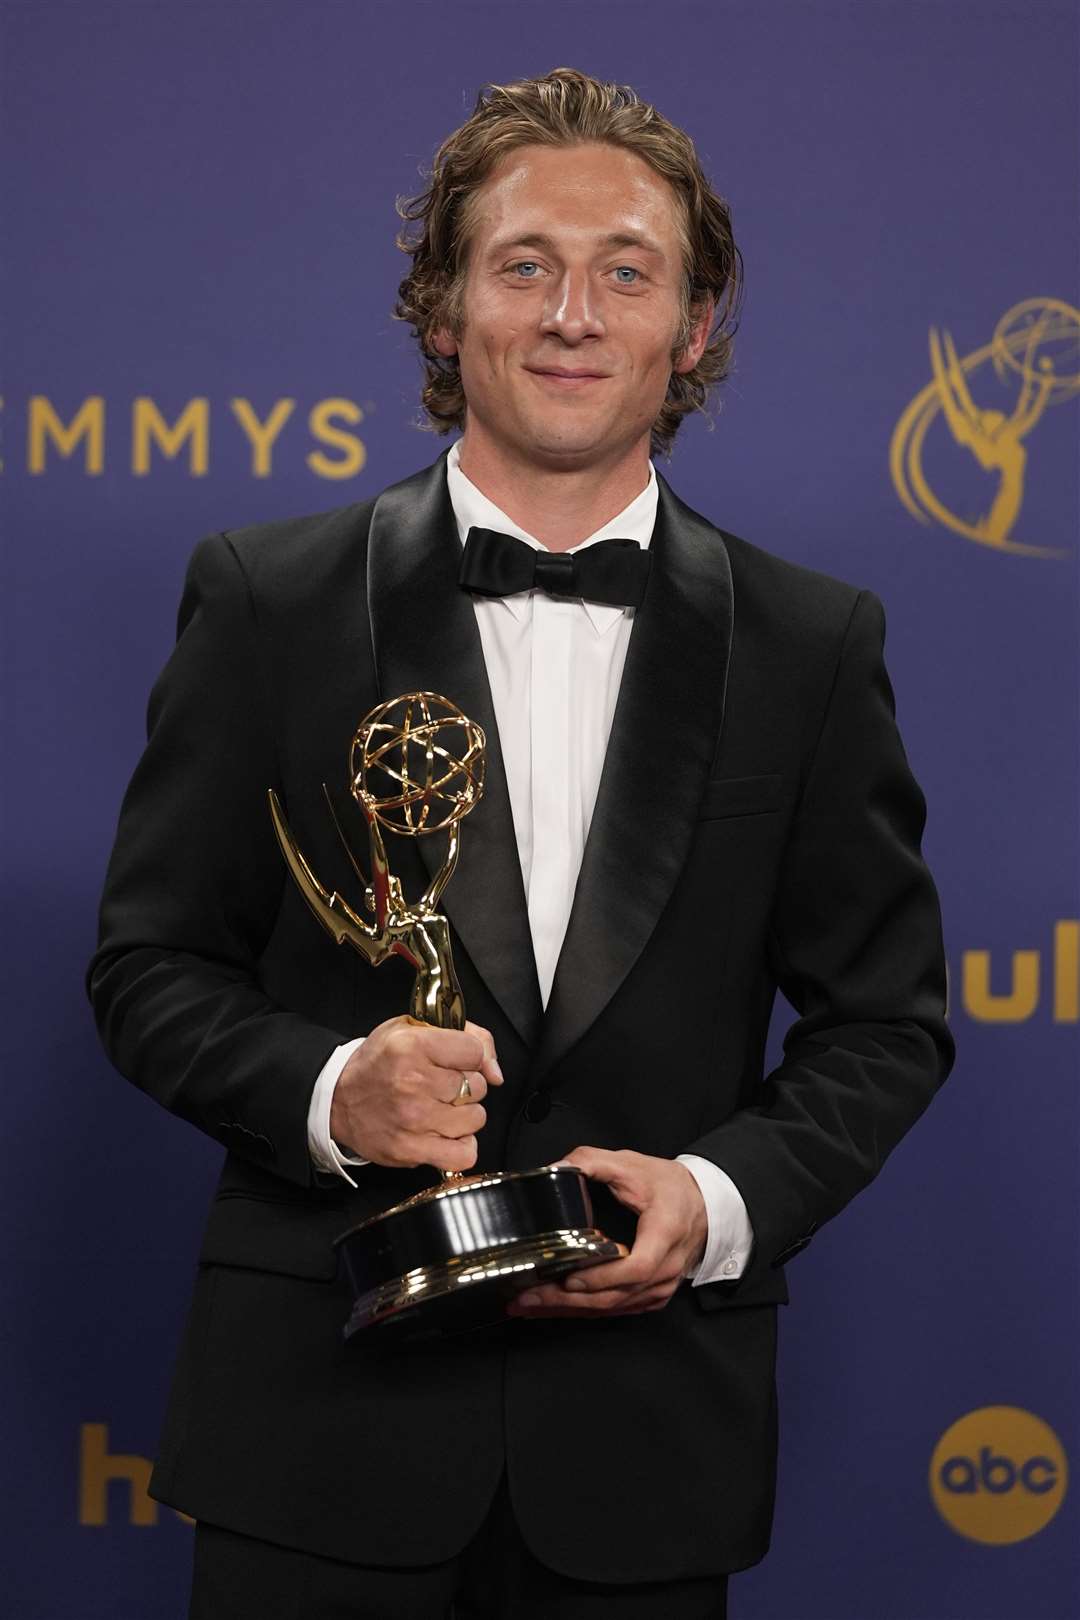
(696, 793)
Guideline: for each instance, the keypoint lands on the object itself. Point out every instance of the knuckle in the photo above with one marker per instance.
(430, 1045)
(411, 1112)
(398, 1041)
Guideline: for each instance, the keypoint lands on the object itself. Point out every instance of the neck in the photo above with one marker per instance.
(559, 506)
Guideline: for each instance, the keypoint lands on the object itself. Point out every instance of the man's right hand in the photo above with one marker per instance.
(394, 1102)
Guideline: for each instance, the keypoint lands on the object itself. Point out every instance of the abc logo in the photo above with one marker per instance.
(998, 1475)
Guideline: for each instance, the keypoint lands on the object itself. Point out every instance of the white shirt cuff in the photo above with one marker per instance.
(324, 1151)
(731, 1237)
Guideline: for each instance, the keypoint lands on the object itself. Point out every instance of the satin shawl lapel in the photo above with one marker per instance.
(425, 638)
(663, 739)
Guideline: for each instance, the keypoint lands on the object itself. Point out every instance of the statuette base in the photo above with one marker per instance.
(473, 1292)
(450, 1258)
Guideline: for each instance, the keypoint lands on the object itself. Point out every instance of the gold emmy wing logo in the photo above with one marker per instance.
(1036, 346)
(998, 1475)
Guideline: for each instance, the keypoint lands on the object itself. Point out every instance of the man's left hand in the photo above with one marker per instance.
(671, 1235)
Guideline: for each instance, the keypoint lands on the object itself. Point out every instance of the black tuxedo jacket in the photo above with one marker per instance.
(756, 825)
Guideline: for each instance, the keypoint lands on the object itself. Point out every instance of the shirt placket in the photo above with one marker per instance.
(553, 857)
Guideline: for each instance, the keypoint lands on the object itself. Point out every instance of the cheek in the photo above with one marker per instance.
(498, 345)
(649, 347)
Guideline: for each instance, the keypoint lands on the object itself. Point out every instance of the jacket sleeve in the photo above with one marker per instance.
(856, 948)
(193, 890)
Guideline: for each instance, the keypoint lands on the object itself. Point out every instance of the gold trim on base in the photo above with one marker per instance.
(505, 1266)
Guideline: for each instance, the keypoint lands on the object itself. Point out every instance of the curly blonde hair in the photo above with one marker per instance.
(564, 108)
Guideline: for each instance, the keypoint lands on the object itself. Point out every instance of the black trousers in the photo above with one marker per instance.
(496, 1577)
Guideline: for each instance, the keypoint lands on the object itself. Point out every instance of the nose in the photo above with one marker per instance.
(572, 310)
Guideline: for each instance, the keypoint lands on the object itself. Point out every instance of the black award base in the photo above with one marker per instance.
(452, 1257)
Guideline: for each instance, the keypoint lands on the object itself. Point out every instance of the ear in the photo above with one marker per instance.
(699, 337)
(444, 343)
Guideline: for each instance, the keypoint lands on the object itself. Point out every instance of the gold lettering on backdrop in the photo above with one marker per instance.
(153, 437)
(321, 425)
(1035, 348)
(1067, 973)
(148, 424)
(1016, 1004)
(44, 427)
(99, 1468)
(1018, 1001)
(262, 434)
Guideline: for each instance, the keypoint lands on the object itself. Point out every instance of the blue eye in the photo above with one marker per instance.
(526, 264)
(624, 270)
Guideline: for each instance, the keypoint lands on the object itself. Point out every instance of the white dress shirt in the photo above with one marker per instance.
(554, 666)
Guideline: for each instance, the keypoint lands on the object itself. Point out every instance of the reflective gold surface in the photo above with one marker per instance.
(404, 777)
(549, 1253)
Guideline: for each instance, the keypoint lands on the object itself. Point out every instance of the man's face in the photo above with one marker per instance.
(571, 306)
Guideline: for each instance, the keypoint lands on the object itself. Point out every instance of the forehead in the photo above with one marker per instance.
(581, 193)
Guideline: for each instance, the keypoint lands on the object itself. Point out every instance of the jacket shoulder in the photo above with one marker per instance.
(800, 601)
(294, 560)
(293, 557)
(805, 608)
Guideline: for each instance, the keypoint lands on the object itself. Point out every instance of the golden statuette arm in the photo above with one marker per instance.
(432, 894)
(416, 766)
(336, 915)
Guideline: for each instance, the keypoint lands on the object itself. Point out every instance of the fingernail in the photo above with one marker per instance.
(496, 1068)
(576, 1285)
(528, 1299)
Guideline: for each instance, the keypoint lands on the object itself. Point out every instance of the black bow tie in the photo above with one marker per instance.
(614, 571)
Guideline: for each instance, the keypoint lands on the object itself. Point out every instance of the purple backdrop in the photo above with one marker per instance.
(198, 206)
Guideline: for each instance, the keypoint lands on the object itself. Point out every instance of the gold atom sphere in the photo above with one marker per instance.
(1040, 339)
(417, 763)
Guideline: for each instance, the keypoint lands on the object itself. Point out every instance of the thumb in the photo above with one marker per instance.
(614, 1169)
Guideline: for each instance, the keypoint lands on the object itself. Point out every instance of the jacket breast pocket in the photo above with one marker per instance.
(741, 796)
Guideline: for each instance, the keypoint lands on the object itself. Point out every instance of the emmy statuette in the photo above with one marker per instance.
(450, 1257)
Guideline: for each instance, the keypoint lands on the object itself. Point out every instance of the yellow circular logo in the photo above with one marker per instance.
(998, 1475)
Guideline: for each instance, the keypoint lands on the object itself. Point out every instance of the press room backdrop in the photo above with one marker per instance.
(198, 207)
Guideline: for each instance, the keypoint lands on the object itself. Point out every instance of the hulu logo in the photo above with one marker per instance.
(128, 1474)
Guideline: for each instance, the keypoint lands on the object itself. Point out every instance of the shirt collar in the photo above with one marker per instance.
(473, 510)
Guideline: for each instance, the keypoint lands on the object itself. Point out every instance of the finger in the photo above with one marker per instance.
(444, 1153)
(603, 1164)
(625, 1172)
(451, 1048)
(550, 1299)
(447, 1086)
(541, 1301)
(490, 1064)
(556, 1293)
(456, 1121)
(646, 1263)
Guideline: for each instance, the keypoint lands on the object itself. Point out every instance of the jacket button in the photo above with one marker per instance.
(538, 1107)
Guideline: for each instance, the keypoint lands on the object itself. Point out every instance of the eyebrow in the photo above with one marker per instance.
(538, 239)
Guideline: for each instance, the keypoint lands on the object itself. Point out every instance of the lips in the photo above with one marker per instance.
(556, 374)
